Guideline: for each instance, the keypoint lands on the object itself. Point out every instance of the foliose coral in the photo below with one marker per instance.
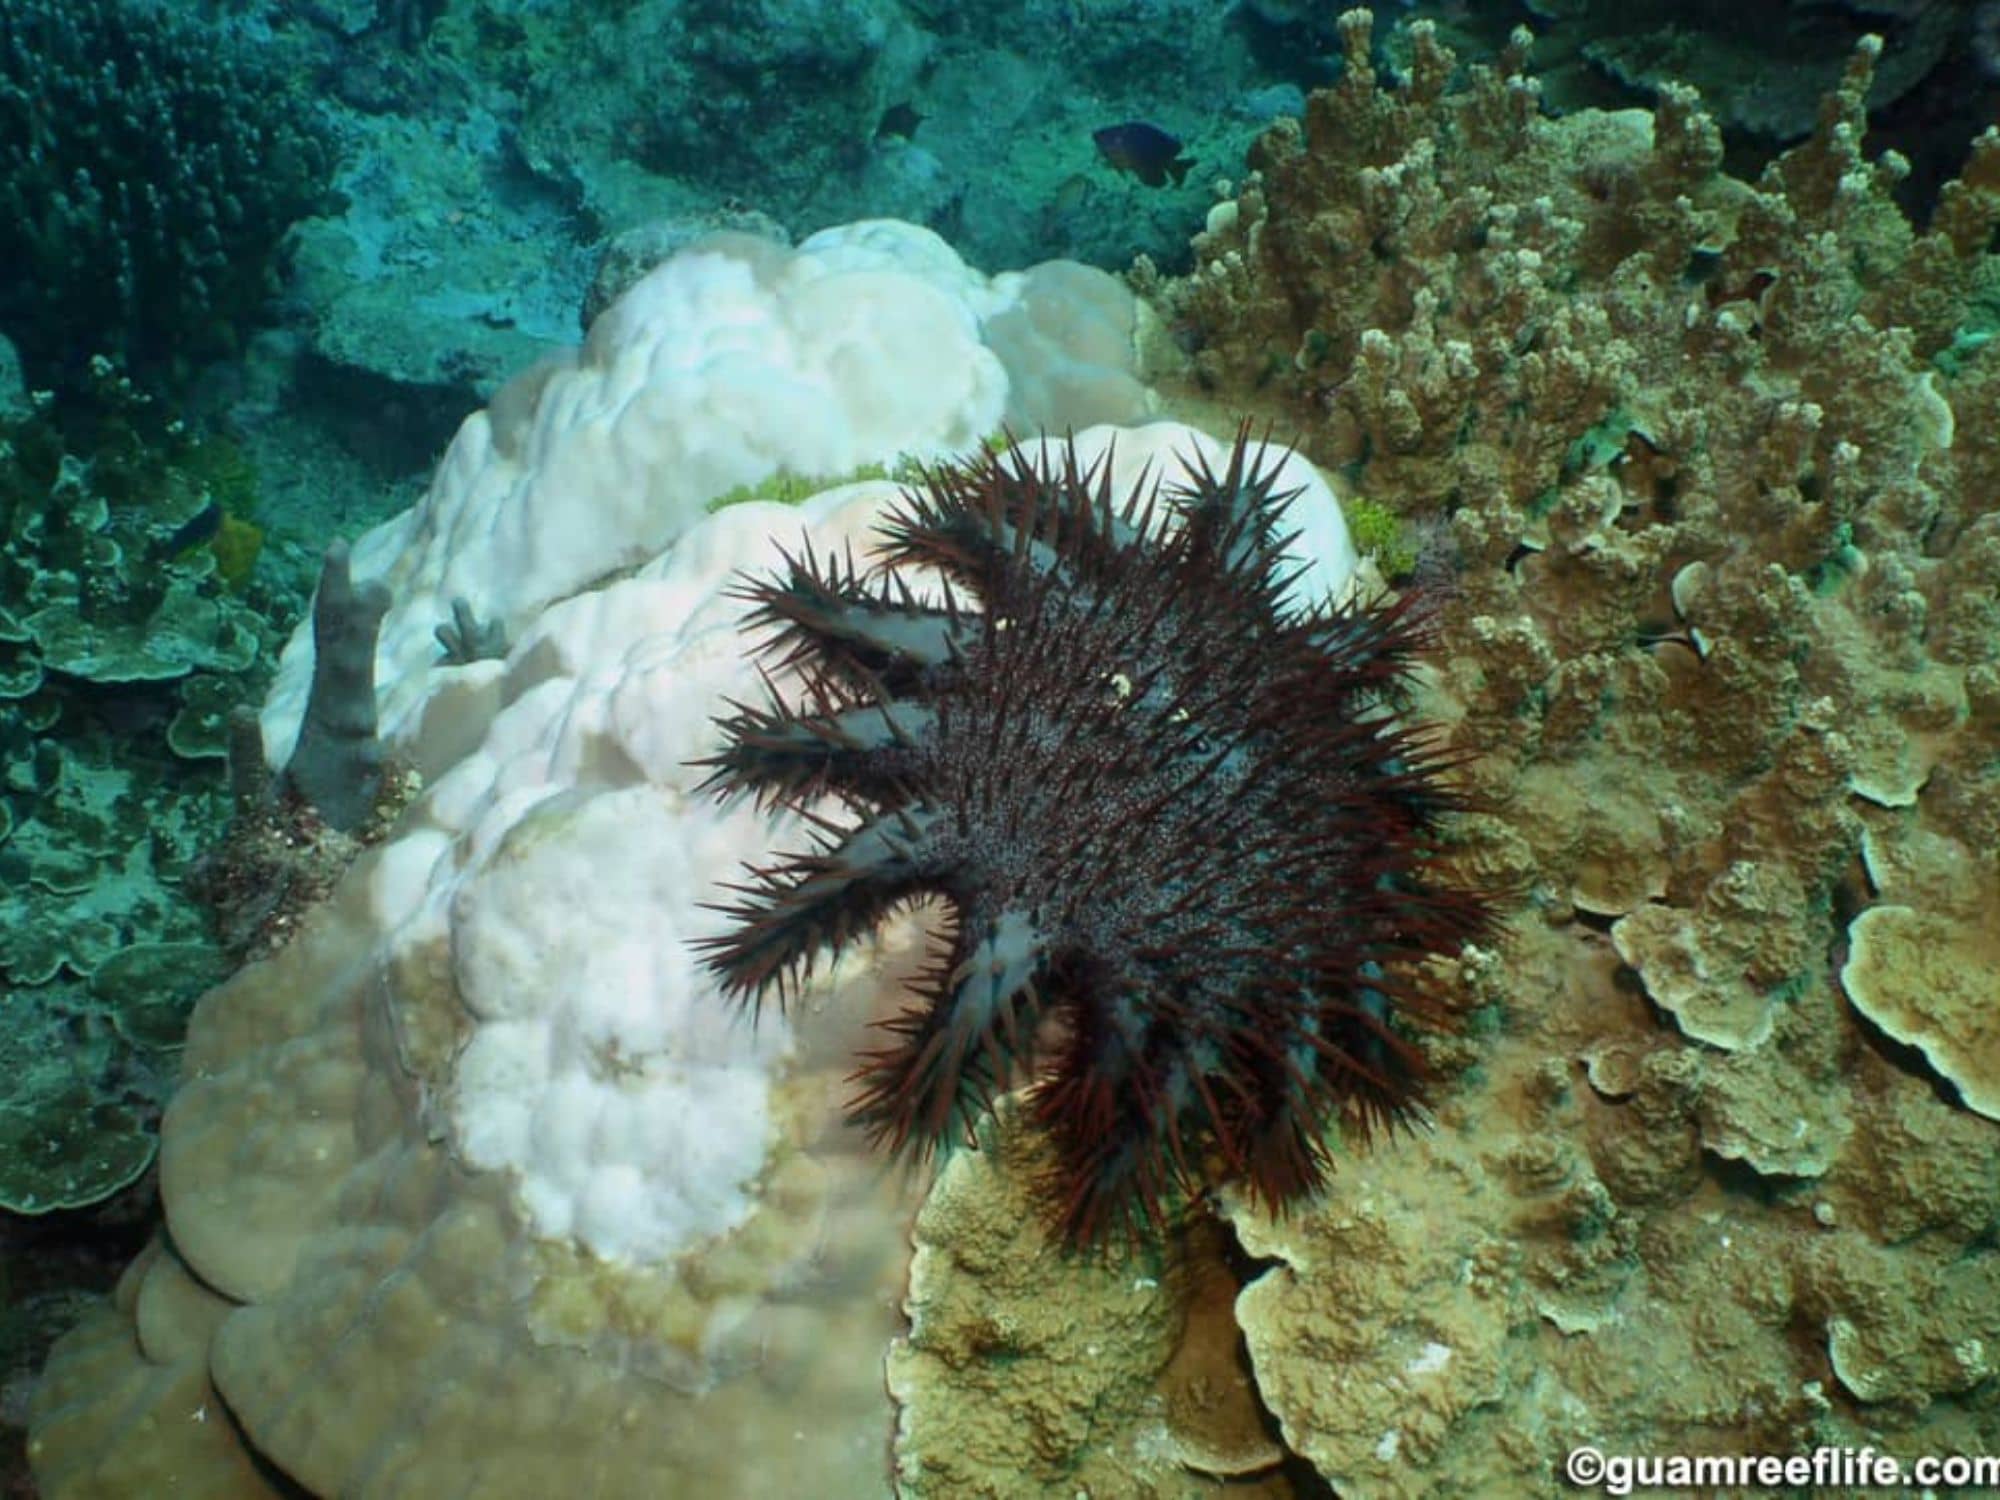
(121, 651)
(1169, 811)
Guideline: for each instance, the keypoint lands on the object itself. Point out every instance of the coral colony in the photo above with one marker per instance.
(477, 1182)
(1182, 837)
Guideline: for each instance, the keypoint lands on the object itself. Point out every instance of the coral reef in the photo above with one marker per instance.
(488, 1095)
(1707, 469)
(489, 1060)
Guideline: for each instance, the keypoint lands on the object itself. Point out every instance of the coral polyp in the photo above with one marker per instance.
(1180, 832)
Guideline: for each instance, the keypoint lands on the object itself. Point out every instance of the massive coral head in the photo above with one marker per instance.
(1185, 841)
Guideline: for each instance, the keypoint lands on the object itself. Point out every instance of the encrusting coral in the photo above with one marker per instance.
(1129, 1383)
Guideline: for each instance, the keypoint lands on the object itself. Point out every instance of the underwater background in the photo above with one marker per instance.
(389, 391)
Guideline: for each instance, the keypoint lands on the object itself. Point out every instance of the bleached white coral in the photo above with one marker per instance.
(733, 361)
(601, 1067)
(564, 863)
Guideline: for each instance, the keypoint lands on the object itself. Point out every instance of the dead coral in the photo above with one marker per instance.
(279, 857)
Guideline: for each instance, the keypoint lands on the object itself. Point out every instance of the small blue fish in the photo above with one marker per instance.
(1146, 151)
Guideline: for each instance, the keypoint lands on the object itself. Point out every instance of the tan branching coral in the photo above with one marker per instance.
(1717, 468)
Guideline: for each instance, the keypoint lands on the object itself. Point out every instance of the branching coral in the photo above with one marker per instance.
(1715, 460)
(1168, 812)
(148, 168)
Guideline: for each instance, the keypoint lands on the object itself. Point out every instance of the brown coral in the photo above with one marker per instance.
(1726, 597)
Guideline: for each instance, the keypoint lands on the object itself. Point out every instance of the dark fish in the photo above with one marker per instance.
(899, 119)
(1146, 151)
(191, 533)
